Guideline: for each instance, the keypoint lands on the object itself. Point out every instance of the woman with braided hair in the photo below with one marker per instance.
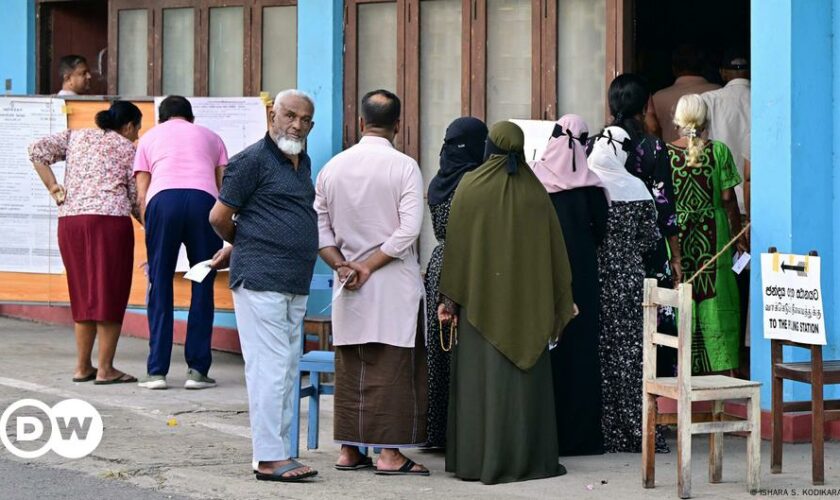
(704, 176)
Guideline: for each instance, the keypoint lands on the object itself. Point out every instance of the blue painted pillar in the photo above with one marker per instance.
(17, 46)
(793, 153)
(320, 73)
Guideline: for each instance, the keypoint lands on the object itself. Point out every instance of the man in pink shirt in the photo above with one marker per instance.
(178, 169)
(369, 201)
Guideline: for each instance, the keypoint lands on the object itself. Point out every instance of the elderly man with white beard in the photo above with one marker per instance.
(265, 210)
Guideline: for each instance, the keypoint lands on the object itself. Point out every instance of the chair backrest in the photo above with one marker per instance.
(321, 282)
(680, 300)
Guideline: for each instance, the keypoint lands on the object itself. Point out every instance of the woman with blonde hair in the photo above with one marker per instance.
(704, 176)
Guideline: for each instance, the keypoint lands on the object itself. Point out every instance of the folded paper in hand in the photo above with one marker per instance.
(338, 292)
(199, 271)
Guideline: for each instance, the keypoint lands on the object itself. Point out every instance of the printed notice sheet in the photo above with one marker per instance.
(793, 306)
(239, 121)
(28, 214)
(537, 133)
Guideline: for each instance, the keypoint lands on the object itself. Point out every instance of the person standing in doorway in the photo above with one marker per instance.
(75, 75)
(179, 168)
(687, 65)
(268, 187)
(729, 123)
(369, 200)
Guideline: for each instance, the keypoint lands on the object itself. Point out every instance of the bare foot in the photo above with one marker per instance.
(108, 374)
(270, 467)
(349, 455)
(394, 460)
(84, 372)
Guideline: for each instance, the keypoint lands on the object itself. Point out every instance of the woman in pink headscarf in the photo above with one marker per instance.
(582, 204)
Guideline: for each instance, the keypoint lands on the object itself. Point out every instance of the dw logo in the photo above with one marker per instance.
(75, 428)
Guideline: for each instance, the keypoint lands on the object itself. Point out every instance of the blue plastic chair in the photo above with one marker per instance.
(314, 363)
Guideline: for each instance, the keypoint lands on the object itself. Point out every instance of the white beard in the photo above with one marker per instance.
(290, 146)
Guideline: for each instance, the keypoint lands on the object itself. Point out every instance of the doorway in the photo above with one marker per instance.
(712, 26)
(71, 27)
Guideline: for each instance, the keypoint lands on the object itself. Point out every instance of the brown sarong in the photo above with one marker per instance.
(381, 395)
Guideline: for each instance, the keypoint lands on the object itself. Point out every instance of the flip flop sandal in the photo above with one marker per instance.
(277, 475)
(405, 470)
(122, 379)
(87, 378)
(363, 463)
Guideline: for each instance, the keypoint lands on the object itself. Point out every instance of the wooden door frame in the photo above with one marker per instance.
(351, 66)
(620, 42)
(114, 8)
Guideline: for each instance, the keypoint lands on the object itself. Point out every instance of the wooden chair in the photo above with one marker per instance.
(686, 389)
(818, 373)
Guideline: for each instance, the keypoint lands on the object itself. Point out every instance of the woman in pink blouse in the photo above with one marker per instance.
(95, 234)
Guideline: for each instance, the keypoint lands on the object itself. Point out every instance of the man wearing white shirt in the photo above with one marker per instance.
(729, 113)
(75, 75)
(729, 122)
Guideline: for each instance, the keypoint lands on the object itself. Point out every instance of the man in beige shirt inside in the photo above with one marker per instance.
(687, 65)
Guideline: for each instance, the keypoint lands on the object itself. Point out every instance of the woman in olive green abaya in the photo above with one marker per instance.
(506, 284)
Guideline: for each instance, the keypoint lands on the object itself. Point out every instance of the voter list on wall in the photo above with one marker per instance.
(28, 215)
(793, 306)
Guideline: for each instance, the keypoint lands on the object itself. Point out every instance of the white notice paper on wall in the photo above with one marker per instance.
(537, 134)
(239, 121)
(792, 298)
(28, 214)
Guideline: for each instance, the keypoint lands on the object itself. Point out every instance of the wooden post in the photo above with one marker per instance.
(716, 446)
(648, 400)
(754, 443)
(817, 417)
(777, 408)
(684, 392)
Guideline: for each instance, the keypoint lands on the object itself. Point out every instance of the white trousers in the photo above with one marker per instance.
(269, 325)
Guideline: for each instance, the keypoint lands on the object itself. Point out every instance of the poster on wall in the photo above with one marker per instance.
(793, 306)
(28, 215)
(239, 121)
(537, 133)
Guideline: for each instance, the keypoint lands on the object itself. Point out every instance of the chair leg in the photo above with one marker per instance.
(716, 447)
(314, 409)
(777, 412)
(817, 433)
(684, 449)
(754, 443)
(648, 440)
(295, 451)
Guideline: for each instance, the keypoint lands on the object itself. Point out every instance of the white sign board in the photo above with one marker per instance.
(537, 134)
(28, 215)
(239, 121)
(793, 306)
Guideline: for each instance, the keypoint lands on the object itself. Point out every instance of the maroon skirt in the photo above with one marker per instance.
(98, 255)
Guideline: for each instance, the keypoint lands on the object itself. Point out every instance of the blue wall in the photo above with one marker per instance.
(320, 60)
(793, 144)
(17, 46)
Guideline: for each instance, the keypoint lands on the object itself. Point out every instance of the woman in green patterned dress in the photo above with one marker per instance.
(704, 175)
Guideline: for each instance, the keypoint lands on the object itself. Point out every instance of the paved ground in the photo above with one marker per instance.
(207, 453)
